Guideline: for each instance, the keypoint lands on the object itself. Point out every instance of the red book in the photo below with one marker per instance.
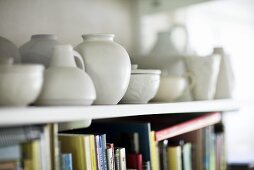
(188, 126)
(134, 161)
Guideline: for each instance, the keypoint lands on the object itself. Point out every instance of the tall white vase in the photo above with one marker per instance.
(108, 64)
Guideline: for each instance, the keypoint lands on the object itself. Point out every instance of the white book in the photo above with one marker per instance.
(122, 159)
(110, 158)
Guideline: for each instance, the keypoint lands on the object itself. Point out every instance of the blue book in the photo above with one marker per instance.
(99, 154)
(104, 149)
(66, 161)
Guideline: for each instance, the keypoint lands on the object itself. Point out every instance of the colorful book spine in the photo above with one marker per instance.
(99, 156)
(66, 161)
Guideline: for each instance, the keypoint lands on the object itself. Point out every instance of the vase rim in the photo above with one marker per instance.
(98, 36)
(44, 36)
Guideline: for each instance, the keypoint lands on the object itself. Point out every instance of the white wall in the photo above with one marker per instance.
(68, 19)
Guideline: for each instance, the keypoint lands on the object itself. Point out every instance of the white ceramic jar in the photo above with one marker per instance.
(38, 49)
(108, 64)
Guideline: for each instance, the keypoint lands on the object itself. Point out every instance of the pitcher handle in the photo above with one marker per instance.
(79, 60)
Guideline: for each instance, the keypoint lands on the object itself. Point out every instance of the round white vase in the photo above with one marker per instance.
(108, 64)
(39, 49)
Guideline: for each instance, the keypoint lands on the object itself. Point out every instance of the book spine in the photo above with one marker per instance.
(117, 159)
(163, 154)
(110, 159)
(134, 161)
(104, 150)
(122, 157)
(99, 155)
(92, 152)
(187, 156)
(174, 157)
(154, 152)
(66, 161)
(87, 152)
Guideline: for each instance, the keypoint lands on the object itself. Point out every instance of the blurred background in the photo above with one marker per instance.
(136, 23)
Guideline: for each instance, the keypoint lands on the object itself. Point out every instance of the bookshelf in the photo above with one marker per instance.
(11, 116)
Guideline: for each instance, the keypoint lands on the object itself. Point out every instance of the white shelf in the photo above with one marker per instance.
(35, 115)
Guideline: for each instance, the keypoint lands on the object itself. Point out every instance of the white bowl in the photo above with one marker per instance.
(171, 87)
(143, 86)
(20, 85)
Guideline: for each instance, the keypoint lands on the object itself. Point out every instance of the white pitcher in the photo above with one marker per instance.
(65, 84)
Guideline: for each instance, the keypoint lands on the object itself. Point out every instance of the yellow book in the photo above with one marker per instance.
(154, 152)
(174, 158)
(92, 152)
(31, 151)
(78, 146)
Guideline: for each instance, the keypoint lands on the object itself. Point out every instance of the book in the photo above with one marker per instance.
(54, 146)
(117, 158)
(104, 150)
(78, 146)
(134, 161)
(99, 156)
(10, 165)
(174, 158)
(110, 156)
(10, 153)
(187, 156)
(187, 126)
(93, 153)
(120, 153)
(31, 151)
(163, 154)
(154, 152)
(66, 161)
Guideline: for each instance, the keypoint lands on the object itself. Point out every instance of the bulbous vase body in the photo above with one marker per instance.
(38, 49)
(108, 64)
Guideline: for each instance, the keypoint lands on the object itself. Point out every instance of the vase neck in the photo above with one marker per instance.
(98, 37)
(44, 36)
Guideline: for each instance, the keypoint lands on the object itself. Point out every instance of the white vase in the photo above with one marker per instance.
(108, 64)
(205, 72)
(8, 50)
(38, 49)
(226, 82)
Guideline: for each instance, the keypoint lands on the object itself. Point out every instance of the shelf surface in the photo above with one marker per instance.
(11, 116)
